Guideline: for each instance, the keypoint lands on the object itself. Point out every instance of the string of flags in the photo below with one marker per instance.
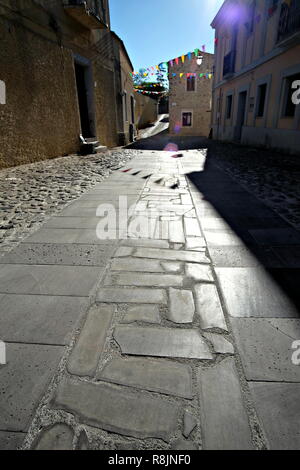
(160, 67)
(145, 92)
(201, 75)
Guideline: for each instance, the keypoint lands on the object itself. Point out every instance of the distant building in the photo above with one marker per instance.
(257, 63)
(190, 95)
(58, 64)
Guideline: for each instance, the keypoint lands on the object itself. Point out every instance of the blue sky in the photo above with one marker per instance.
(155, 31)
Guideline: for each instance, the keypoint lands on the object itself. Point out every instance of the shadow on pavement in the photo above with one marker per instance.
(240, 230)
(162, 139)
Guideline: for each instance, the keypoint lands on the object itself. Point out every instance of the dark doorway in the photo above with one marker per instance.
(240, 121)
(81, 83)
(132, 109)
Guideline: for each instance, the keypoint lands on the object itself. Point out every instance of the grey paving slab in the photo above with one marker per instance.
(142, 279)
(83, 442)
(11, 440)
(156, 375)
(224, 421)
(189, 423)
(72, 222)
(144, 265)
(241, 257)
(90, 344)
(115, 410)
(72, 211)
(251, 292)
(145, 242)
(208, 307)
(195, 243)
(182, 308)
(265, 347)
(80, 236)
(276, 236)
(183, 444)
(59, 254)
(176, 255)
(172, 266)
(109, 197)
(142, 313)
(23, 381)
(94, 203)
(192, 227)
(48, 280)
(214, 223)
(222, 238)
(220, 344)
(123, 251)
(57, 437)
(199, 272)
(134, 295)
(176, 233)
(278, 408)
(39, 319)
(162, 342)
(289, 255)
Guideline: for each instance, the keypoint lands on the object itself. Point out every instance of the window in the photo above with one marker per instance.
(187, 119)
(228, 106)
(262, 94)
(251, 17)
(289, 108)
(191, 84)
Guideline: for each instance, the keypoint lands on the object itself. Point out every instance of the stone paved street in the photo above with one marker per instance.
(178, 337)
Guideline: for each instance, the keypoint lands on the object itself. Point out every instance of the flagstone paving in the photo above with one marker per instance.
(175, 341)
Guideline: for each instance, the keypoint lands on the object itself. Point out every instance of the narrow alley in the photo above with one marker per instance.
(176, 327)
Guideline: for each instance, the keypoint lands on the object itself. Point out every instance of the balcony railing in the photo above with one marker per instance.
(289, 20)
(229, 64)
(89, 13)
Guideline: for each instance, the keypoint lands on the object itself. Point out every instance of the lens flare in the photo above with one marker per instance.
(171, 147)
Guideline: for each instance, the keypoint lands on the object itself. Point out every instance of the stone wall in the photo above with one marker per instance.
(38, 119)
(41, 116)
(146, 110)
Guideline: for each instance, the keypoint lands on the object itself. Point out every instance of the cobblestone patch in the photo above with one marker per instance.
(271, 176)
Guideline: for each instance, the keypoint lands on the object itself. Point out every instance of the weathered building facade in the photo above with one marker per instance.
(256, 66)
(190, 95)
(57, 63)
(125, 99)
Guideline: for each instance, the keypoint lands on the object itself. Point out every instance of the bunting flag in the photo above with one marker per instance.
(192, 74)
(160, 67)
